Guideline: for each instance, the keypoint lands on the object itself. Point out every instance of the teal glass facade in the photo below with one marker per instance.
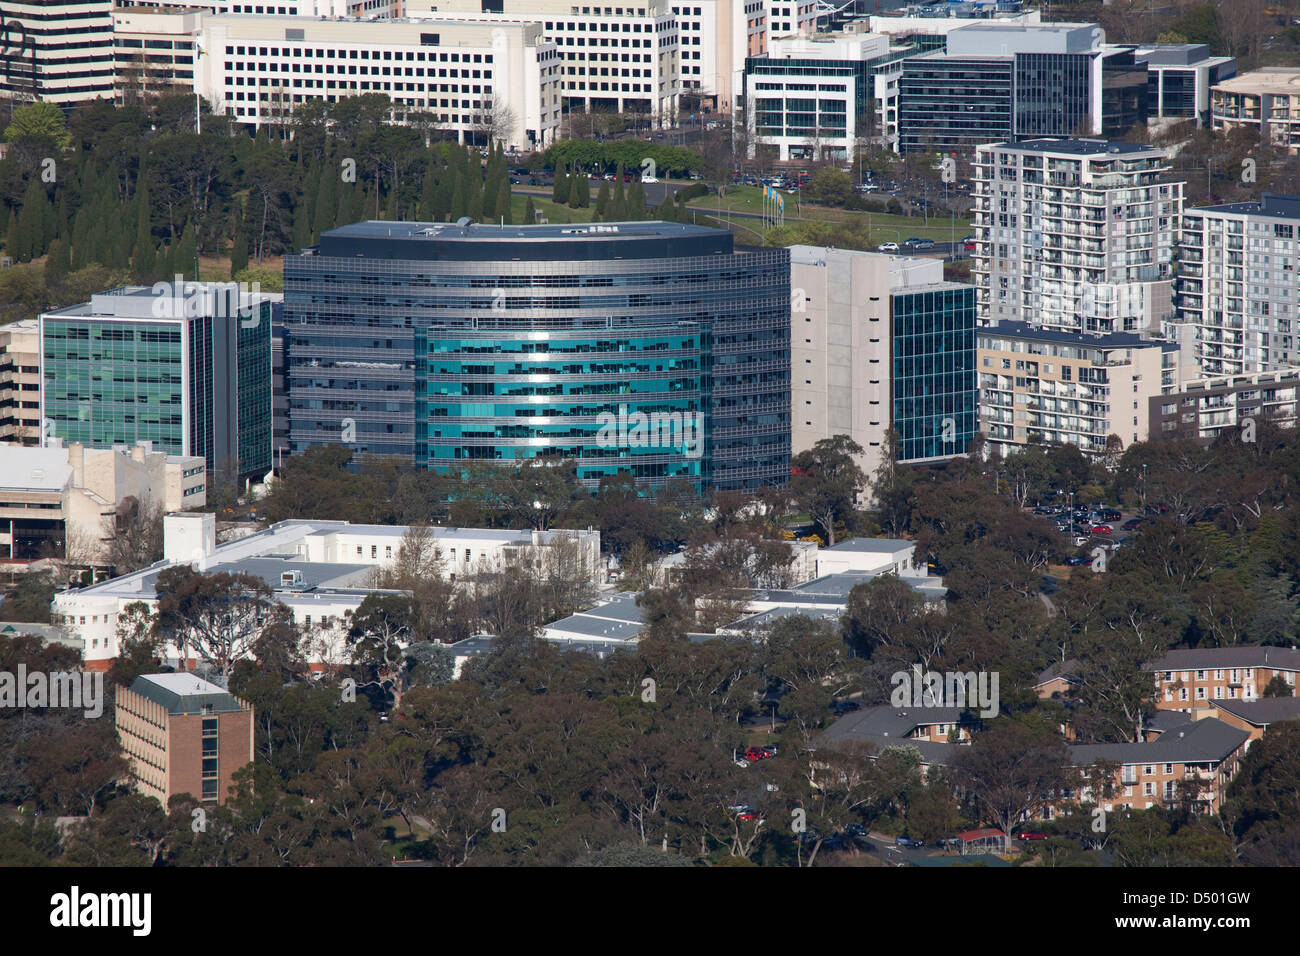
(114, 382)
(934, 385)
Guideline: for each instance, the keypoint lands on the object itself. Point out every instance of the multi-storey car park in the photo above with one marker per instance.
(444, 344)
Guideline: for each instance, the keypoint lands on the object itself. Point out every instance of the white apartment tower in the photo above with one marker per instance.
(1237, 285)
(1075, 235)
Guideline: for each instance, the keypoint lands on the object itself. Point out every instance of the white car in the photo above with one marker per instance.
(649, 179)
(888, 247)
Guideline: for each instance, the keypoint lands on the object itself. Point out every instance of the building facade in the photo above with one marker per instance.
(1180, 77)
(816, 97)
(880, 342)
(650, 348)
(153, 52)
(1188, 680)
(621, 59)
(1266, 101)
(1040, 387)
(58, 51)
(1237, 285)
(484, 80)
(182, 734)
(999, 82)
(20, 383)
(186, 367)
(1206, 408)
(1076, 234)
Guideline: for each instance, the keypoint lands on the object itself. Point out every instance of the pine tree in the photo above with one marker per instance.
(530, 212)
(11, 236)
(326, 206)
(636, 210)
(239, 254)
(602, 201)
(459, 204)
(575, 193)
(503, 204)
(58, 264)
(185, 261)
(618, 208)
(584, 190)
(475, 210)
(560, 189)
(427, 195)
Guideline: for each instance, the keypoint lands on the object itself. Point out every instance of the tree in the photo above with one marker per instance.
(220, 616)
(1010, 772)
(134, 535)
(829, 186)
(827, 481)
(38, 120)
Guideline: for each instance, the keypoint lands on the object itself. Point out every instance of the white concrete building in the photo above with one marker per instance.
(320, 570)
(790, 18)
(153, 52)
(59, 52)
(623, 59)
(64, 500)
(814, 97)
(478, 76)
(1076, 235)
(297, 8)
(1237, 285)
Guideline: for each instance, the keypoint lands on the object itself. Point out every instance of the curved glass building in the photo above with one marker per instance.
(646, 347)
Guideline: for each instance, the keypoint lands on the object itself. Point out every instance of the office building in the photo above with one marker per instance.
(621, 59)
(299, 8)
(186, 367)
(1205, 408)
(484, 343)
(183, 735)
(817, 97)
(64, 502)
(1237, 285)
(481, 79)
(1044, 387)
(320, 571)
(1180, 77)
(926, 29)
(1266, 101)
(996, 82)
(57, 51)
(880, 341)
(1076, 235)
(154, 52)
(715, 37)
(784, 18)
(20, 383)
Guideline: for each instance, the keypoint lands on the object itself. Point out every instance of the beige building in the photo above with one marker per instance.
(20, 383)
(62, 502)
(1038, 386)
(1266, 100)
(153, 52)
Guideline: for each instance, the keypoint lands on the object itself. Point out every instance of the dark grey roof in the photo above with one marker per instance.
(1277, 205)
(1078, 147)
(172, 692)
(1207, 658)
(1262, 712)
(873, 545)
(1064, 669)
(888, 726)
(1205, 740)
(1015, 329)
(1166, 720)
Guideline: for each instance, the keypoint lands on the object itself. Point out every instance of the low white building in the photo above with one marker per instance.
(871, 556)
(62, 502)
(320, 570)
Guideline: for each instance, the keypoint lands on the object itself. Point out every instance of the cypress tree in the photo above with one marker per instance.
(459, 204)
(11, 236)
(502, 206)
(602, 201)
(427, 194)
(58, 263)
(326, 206)
(187, 253)
(530, 212)
(475, 210)
(560, 189)
(636, 202)
(584, 190)
(239, 254)
(575, 198)
(618, 208)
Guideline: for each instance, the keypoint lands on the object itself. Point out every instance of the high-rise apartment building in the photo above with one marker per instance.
(20, 383)
(1076, 235)
(59, 51)
(645, 347)
(1001, 82)
(186, 367)
(879, 341)
(1265, 101)
(1237, 284)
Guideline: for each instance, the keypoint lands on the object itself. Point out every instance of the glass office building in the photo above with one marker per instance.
(649, 348)
(934, 386)
(182, 369)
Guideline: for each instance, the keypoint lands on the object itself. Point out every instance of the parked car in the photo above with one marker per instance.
(1077, 560)
(1026, 836)
(1101, 529)
(855, 830)
(920, 243)
(1132, 524)
(905, 840)
(887, 247)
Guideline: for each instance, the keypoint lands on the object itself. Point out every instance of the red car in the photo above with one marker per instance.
(1100, 529)
(759, 753)
(1026, 836)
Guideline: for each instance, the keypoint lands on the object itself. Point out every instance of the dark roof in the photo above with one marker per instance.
(1015, 329)
(1204, 740)
(486, 242)
(1166, 720)
(1079, 147)
(1206, 658)
(888, 726)
(1061, 669)
(1262, 712)
(1277, 205)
